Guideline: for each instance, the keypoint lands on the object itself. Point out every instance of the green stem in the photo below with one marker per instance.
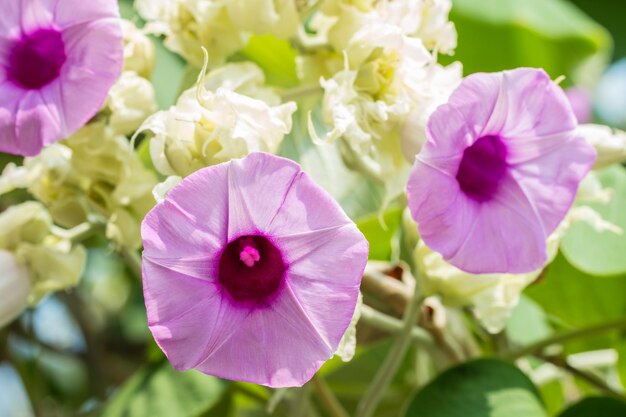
(300, 405)
(563, 337)
(392, 325)
(328, 398)
(78, 233)
(378, 387)
(590, 378)
(300, 92)
(133, 261)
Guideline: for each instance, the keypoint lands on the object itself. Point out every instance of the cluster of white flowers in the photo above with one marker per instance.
(378, 104)
(222, 27)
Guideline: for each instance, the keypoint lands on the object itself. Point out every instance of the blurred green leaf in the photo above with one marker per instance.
(275, 56)
(168, 76)
(481, 388)
(501, 34)
(601, 253)
(577, 298)
(357, 195)
(381, 236)
(621, 360)
(528, 323)
(596, 407)
(160, 391)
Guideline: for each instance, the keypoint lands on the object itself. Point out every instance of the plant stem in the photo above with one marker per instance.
(378, 387)
(300, 92)
(585, 376)
(392, 325)
(300, 405)
(567, 336)
(133, 261)
(328, 398)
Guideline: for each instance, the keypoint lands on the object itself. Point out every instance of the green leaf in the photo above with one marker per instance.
(601, 253)
(596, 407)
(381, 236)
(357, 195)
(576, 298)
(275, 56)
(481, 388)
(528, 323)
(168, 76)
(160, 391)
(501, 34)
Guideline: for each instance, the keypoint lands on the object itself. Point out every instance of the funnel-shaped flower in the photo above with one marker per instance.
(251, 272)
(58, 60)
(499, 171)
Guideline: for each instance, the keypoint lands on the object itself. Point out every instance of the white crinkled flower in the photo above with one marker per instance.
(139, 51)
(609, 143)
(389, 80)
(217, 123)
(130, 101)
(189, 25)
(222, 27)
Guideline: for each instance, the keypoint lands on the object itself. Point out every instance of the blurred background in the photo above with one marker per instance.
(88, 351)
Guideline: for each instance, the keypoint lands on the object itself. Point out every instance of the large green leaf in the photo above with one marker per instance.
(601, 253)
(579, 299)
(502, 34)
(382, 234)
(160, 391)
(482, 388)
(596, 407)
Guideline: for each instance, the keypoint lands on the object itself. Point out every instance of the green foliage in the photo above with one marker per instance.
(601, 253)
(275, 56)
(482, 388)
(358, 196)
(382, 236)
(596, 407)
(160, 391)
(494, 35)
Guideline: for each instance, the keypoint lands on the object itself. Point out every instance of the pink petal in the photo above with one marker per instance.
(505, 235)
(94, 62)
(187, 317)
(448, 134)
(549, 179)
(257, 188)
(277, 346)
(530, 105)
(476, 99)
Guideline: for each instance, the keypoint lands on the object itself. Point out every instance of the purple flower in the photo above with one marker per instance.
(499, 171)
(251, 272)
(58, 59)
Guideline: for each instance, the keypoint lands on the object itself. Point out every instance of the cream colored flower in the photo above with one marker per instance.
(131, 100)
(92, 174)
(610, 144)
(278, 17)
(188, 25)
(14, 286)
(51, 262)
(227, 117)
(493, 296)
(139, 50)
(389, 80)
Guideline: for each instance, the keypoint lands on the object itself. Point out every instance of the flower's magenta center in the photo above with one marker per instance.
(36, 59)
(251, 268)
(482, 168)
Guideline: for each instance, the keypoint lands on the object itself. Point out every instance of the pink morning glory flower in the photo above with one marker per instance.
(499, 171)
(251, 272)
(58, 59)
